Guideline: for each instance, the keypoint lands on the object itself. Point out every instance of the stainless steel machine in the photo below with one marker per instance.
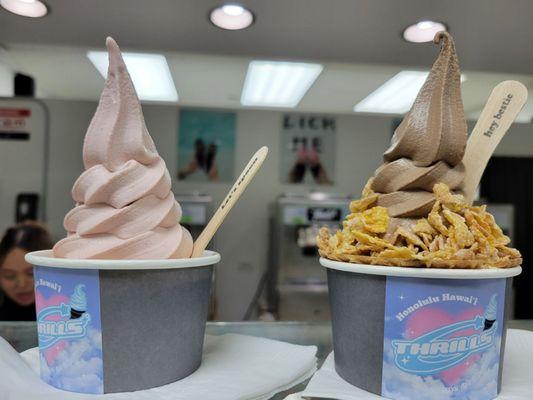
(297, 285)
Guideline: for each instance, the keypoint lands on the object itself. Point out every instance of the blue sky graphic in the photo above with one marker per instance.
(79, 367)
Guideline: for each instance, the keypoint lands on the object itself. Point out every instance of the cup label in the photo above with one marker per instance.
(69, 328)
(442, 338)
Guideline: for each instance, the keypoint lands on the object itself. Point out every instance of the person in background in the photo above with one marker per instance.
(17, 298)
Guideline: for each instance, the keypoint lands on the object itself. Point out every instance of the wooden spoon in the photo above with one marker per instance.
(503, 105)
(231, 198)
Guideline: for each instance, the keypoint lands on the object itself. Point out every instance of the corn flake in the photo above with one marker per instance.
(454, 235)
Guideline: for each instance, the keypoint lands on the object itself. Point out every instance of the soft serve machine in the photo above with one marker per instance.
(297, 285)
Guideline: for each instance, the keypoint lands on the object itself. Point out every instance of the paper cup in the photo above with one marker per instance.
(108, 326)
(408, 333)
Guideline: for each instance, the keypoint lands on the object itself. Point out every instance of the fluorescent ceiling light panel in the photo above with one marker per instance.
(278, 83)
(397, 95)
(149, 72)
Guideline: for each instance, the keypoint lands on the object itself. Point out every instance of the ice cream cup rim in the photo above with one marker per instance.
(410, 272)
(45, 258)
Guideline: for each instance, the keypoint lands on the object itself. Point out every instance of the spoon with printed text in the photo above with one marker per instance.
(231, 198)
(503, 105)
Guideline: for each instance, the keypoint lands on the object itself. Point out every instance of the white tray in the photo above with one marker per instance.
(517, 381)
(233, 367)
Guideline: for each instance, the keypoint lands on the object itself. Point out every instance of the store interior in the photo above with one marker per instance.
(269, 269)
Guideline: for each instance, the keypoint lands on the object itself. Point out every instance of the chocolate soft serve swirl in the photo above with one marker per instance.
(125, 208)
(429, 144)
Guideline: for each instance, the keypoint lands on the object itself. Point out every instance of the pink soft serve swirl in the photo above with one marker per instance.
(125, 208)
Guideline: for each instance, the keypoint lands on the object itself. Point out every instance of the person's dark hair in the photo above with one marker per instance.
(29, 236)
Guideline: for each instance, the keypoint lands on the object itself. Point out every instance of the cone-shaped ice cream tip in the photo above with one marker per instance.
(110, 42)
(490, 312)
(428, 145)
(125, 208)
(435, 128)
(78, 302)
(117, 132)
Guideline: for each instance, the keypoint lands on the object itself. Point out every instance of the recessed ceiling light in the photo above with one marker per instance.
(423, 31)
(278, 83)
(26, 8)
(397, 95)
(149, 72)
(232, 17)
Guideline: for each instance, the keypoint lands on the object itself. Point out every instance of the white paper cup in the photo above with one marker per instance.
(109, 326)
(419, 332)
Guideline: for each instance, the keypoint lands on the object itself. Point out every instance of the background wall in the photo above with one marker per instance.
(6, 81)
(243, 238)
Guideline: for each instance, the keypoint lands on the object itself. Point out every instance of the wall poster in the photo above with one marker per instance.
(308, 149)
(206, 145)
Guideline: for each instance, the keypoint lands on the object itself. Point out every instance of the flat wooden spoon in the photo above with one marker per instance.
(503, 105)
(231, 198)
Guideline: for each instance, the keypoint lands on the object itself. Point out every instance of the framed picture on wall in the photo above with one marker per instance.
(308, 149)
(206, 145)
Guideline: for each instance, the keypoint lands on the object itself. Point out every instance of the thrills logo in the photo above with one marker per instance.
(444, 347)
(437, 351)
(64, 321)
(50, 332)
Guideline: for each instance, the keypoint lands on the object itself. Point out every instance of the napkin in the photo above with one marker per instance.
(233, 367)
(517, 383)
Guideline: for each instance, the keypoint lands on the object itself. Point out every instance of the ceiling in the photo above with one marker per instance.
(358, 42)
(492, 35)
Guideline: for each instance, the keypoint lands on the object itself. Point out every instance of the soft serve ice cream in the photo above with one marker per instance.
(125, 208)
(412, 212)
(428, 146)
